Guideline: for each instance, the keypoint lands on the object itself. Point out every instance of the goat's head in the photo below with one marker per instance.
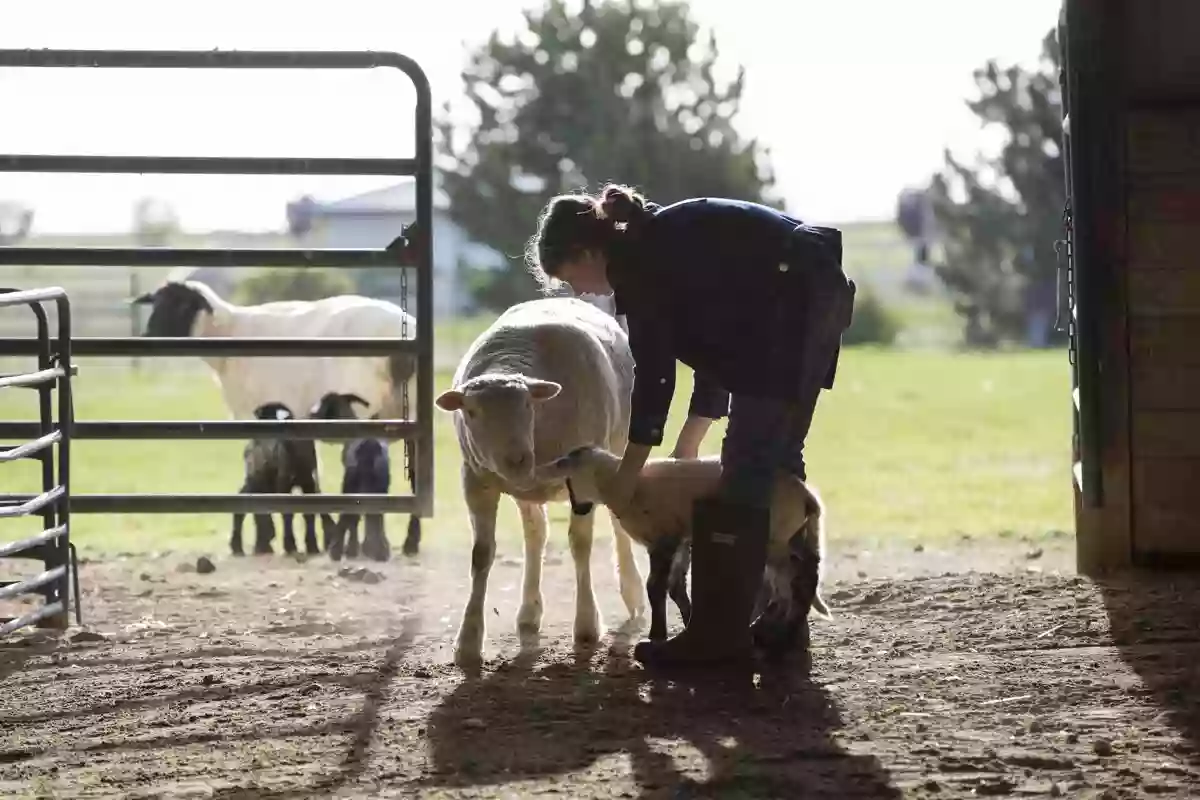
(176, 308)
(337, 405)
(498, 413)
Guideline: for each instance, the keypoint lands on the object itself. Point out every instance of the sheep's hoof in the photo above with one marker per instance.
(264, 550)
(587, 636)
(412, 541)
(467, 657)
(529, 619)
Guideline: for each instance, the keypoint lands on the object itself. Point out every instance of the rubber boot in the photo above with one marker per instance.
(729, 550)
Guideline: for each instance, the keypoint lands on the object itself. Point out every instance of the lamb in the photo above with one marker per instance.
(659, 518)
(192, 308)
(276, 466)
(367, 470)
(549, 375)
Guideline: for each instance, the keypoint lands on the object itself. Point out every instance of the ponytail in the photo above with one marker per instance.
(621, 204)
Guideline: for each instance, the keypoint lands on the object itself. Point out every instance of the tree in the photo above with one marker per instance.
(617, 90)
(998, 219)
(154, 221)
(297, 283)
(16, 221)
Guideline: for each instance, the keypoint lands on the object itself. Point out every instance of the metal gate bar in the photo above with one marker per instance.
(53, 545)
(416, 253)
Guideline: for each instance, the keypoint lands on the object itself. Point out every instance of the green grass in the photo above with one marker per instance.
(909, 445)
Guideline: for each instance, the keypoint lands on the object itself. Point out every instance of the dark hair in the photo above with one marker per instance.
(571, 224)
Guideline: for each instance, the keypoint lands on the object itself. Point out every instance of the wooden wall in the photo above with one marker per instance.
(1162, 263)
(1163, 279)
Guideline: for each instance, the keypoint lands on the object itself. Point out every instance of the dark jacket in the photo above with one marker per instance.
(721, 285)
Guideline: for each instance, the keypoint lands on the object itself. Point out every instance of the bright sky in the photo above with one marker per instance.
(856, 98)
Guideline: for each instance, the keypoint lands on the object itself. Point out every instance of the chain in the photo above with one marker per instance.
(1065, 251)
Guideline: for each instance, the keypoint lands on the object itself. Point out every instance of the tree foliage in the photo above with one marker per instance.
(607, 90)
(999, 218)
(295, 283)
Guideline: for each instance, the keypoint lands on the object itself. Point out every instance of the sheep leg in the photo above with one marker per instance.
(412, 541)
(289, 535)
(482, 504)
(628, 575)
(533, 526)
(677, 587)
(375, 543)
(235, 536)
(264, 532)
(335, 539)
(350, 531)
(308, 485)
(587, 615)
(662, 553)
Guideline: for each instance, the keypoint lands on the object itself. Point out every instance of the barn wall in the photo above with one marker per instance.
(1160, 43)
(1163, 176)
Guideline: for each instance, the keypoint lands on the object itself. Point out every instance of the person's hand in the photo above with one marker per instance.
(682, 450)
(624, 484)
(691, 436)
(622, 489)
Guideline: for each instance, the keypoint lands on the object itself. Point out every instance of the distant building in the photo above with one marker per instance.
(374, 220)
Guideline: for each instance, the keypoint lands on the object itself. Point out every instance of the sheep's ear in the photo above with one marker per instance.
(144, 299)
(353, 398)
(542, 391)
(450, 400)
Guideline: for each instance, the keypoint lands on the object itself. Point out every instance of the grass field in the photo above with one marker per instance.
(914, 446)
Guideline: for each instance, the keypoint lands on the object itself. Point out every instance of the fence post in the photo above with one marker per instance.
(135, 316)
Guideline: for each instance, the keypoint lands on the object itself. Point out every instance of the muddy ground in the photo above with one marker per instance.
(272, 678)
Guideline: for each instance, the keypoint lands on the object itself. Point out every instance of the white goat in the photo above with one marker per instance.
(192, 308)
(548, 376)
(659, 517)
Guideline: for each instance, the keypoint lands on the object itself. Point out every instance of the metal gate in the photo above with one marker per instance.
(53, 545)
(1076, 308)
(415, 252)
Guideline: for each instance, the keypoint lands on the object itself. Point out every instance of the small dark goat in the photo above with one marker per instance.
(366, 470)
(276, 466)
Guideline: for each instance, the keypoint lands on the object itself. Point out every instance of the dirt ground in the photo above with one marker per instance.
(273, 678)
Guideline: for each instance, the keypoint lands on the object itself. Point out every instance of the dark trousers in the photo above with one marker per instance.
(765, 435)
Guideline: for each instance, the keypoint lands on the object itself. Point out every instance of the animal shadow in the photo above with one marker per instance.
(554, 716)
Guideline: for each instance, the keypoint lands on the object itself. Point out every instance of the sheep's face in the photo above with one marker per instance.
(174, 308)
(587, 468)
(275, 411)
(498, 414)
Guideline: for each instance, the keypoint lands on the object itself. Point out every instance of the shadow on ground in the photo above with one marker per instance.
(773, 738)
(1155, 623)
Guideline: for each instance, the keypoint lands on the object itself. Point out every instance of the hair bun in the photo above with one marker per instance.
(621, 204)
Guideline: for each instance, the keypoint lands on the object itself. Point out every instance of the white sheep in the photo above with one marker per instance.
(659, 517)
(547, 376)
(192, 308)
